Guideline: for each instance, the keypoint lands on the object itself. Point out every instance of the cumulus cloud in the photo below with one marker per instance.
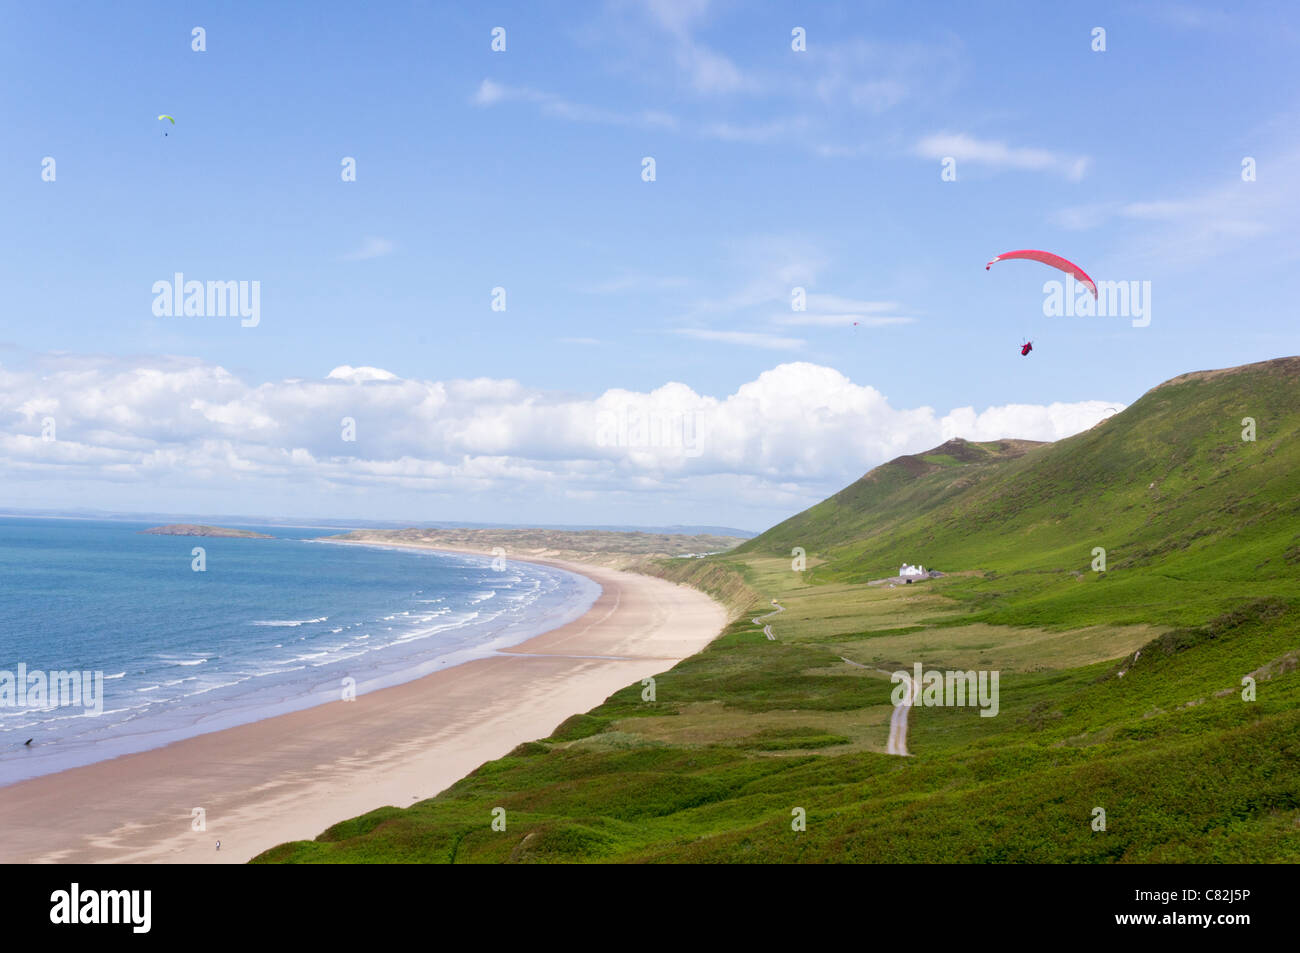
(346, 372)
(779, 442)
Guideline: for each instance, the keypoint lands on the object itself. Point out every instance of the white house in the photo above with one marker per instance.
(913, 571)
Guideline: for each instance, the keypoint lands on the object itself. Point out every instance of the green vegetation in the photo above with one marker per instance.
(1119, 690)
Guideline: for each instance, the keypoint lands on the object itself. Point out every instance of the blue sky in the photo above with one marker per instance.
(522, 169)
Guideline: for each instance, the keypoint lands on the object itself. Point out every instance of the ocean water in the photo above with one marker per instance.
(270, 626)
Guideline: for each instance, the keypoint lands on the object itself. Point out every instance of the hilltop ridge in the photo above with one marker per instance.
(1170, 478)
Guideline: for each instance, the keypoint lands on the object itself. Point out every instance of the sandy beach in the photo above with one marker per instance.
(292, 776)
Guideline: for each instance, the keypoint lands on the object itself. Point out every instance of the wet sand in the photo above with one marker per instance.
(292, 776)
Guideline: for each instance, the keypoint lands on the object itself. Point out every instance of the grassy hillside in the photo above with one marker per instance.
(1119, 690)
(1192, 517)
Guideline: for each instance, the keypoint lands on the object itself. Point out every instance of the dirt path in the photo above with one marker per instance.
(767, 629)
(897, 743)
(898, 720)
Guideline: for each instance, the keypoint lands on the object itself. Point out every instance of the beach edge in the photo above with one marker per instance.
(292, 776)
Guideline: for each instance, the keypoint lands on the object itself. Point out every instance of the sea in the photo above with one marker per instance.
(267, 627)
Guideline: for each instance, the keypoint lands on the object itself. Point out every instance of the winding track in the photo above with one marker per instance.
(898, 720)
(767, 629)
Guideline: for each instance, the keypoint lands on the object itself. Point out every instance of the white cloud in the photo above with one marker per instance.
(1083, 217)
(1051, 422)
(768, 270)
(490, 93)
(998, 155)
(1196, 18)
(770, 266)
(783, 440)
(806, 100)
(1205, 222)
(875, 76)
(711, 72)
(707, 71)
(877, 95)
(676, 16)
(346, 372)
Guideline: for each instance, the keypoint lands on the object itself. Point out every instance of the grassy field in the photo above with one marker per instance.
(1202, 537)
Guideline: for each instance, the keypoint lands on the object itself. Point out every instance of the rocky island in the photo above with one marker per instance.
(194, 529)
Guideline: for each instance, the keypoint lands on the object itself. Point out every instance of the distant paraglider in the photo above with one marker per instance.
(1026, 348)
(1047, 258)
(169, 119)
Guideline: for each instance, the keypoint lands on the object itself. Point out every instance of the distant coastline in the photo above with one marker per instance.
(609, 548)
(195, 529)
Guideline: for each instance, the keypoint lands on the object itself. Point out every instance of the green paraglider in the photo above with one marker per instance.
(169, 119)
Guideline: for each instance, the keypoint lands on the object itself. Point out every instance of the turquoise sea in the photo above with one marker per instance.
(269, 626)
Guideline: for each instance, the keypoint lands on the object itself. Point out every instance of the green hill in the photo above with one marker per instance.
(1191, 516)
(1120, 690)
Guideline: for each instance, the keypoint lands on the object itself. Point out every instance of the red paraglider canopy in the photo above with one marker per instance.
(1047, 258)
